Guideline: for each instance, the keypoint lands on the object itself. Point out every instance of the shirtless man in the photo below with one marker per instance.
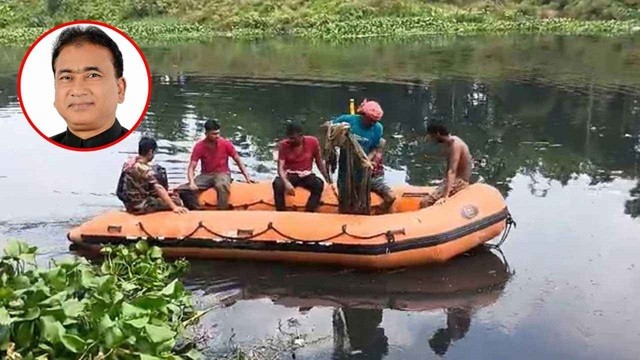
(459, 166)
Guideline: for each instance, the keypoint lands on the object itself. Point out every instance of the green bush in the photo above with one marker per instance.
(130, 307)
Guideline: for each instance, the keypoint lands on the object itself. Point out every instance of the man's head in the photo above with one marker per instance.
(371, 111)
(212, 130)
(87, 67)
(147, 148)
(294, 133)
(437, 133)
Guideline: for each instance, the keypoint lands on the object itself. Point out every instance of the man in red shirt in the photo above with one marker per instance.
(296, 155)
(213, 152)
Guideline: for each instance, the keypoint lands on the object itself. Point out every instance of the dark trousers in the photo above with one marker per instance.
(310, 182)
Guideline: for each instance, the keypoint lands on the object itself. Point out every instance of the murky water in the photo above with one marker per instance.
(553, 122)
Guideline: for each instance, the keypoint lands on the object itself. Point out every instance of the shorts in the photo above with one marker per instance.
(379, 186)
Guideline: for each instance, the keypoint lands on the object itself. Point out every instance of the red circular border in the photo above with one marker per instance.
(144, 59)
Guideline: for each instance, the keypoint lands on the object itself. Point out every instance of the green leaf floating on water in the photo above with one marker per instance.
(155, 253)
(150, 302)
(193, 355)
(51, 329)
(113, 337)
(21, 282)
(24, 334)
(73, 343)
(72, 307)
(174, 289)
(142, 247)
(31, 314)
(21, 250)
(5, 319)
(159, 334)
(131, 312)
(105, 323)
(149, 357)
(138, 323)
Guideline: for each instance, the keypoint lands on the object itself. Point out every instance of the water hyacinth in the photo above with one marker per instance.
(132, 306)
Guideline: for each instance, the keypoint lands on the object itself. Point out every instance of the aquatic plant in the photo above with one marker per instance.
(132, 306)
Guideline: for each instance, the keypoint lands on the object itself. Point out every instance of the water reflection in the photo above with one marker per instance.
(554, 123)
(458, 323)
(546, 133)
(632, 206)
(459, 288)
(357, 334)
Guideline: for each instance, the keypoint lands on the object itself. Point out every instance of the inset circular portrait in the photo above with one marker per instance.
(84, 85)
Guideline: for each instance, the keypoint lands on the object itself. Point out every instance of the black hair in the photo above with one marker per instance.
(294, 129)
(437, 129)
(145, 145)
(211, 125)
(88, 35)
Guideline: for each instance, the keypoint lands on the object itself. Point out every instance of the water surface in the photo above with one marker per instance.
(554, 123)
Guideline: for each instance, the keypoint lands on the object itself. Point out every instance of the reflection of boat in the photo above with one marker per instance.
(475, 278)
(409, 236)
(460, 287)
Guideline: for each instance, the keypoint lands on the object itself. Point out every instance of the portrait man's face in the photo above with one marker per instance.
(87, 91)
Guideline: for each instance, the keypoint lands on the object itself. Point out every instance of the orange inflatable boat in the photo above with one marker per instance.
(254, 230)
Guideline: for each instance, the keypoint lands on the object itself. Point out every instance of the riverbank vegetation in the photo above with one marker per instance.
(131, 306)
(165, 21)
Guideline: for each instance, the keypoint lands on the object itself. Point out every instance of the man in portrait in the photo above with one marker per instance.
(89, 84)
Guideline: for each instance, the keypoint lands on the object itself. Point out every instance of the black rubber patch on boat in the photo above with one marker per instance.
(114, 229)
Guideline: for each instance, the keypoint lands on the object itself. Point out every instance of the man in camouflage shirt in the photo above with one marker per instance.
(139, 188)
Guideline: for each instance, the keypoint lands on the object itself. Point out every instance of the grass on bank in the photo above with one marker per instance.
(169, 21)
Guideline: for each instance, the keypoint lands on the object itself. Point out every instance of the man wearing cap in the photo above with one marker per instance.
(365, 124)
(366, 128)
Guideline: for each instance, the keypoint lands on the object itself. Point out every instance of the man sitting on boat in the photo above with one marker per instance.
(139, 188)
(459, 166)
(213, 152)
(296, 155)
(378, 183)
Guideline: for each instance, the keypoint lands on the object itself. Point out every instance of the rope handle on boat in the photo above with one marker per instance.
(262, 202)
(259, 202)
(509, 223)
(389, 234)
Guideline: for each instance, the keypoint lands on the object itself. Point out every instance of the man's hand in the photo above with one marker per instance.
(250, 180)
(193, 186)
(180, 210)
(289, 189)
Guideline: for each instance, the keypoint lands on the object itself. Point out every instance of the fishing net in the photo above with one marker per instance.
(354, 170)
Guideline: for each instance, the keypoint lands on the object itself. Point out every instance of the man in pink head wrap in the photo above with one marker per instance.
(371, 110)
(366, 128)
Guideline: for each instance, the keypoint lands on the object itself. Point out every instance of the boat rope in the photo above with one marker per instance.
(508, 269)
(389, 234)
(262, 202)
(509, 223)
(354, 173)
